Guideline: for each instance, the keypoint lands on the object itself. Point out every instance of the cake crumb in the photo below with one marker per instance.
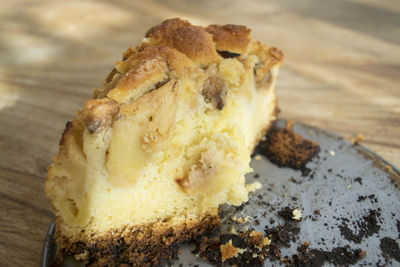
(256, 238)
(266, 242)
(348, 187)
(296, 215)
(232, 230)
(240, 220)
(285, 148)
(257, 157)
(332, 153)
(357, 140)
(387, 168)
(362, 254)
(290, 214)
(247, 219)
(82, 256)
(228, 251)
(253, 187)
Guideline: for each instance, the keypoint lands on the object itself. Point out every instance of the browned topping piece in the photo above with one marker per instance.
(231, 38)
(286, 148)
(165, 29)
(266, 60)
(195, 43)
(146, 68)
(99, 113)
(276, 55)
(191, 40)
(228, 251)
(153, 70)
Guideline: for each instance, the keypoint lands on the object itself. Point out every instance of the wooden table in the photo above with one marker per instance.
(341, 73)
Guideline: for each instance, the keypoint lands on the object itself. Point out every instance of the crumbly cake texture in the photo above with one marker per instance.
(164, 142)
(286, 148)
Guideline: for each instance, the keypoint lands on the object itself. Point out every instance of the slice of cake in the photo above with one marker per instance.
(167, 140)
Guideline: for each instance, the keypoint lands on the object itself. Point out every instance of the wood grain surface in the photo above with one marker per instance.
(341, 72)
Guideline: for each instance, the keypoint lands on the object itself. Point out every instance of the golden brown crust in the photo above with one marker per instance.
(145, 245)
(232, 38)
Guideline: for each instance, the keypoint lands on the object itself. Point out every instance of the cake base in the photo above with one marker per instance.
(146, 245)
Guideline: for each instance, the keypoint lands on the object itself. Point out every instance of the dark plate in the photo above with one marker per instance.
(342, 179)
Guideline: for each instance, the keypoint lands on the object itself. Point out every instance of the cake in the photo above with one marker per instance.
(163, 143)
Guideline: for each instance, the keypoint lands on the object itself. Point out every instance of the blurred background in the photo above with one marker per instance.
(341, 72)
